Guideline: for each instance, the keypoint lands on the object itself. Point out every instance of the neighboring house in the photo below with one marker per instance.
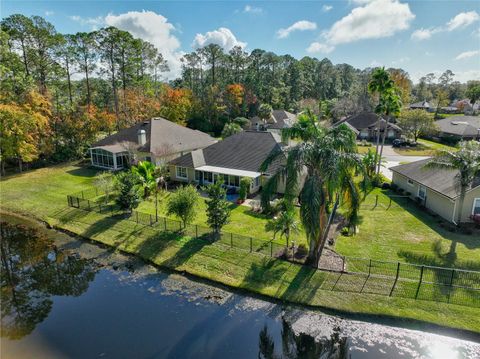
(459, 127)
(437, 190)
(153, 140)
(280, 119)
(237, 156)
(422, 105)
(366, 125)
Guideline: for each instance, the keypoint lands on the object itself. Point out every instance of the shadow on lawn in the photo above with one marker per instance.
(262, 274)
(84, 171)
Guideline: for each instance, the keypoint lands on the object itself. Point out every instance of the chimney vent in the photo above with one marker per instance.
(142, 137)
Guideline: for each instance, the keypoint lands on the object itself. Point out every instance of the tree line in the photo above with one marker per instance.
(60, 92)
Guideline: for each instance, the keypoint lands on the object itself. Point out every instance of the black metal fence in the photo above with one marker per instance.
(415, 281)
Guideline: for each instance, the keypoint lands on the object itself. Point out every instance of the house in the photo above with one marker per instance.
(459, 127)
(437, 190)
(237, 156)
(153, 140)
(422, 105)
(280, 119)
(366, 125)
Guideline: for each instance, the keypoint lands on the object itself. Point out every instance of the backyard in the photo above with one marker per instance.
(42, 194)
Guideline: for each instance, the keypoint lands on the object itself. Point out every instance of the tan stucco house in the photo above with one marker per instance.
(237, 156)
(154, 140)
(437, 189)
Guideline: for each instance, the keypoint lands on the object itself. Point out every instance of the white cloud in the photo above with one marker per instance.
(301, 25)
(376, 19)
(375, 63)
(49, 13)
(154, 28)
(223, 37)
(317, 47)
(424, 34)
(467, 54)
(327, 8)
(252, 9)
(93, 22)
(462, 20)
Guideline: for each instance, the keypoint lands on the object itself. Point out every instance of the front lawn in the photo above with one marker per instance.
(424, 148)
(406, 233)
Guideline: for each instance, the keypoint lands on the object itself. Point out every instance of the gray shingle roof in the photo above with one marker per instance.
(163, 137)
(364, 120)
(443, 181)
(243, 151)
(281, 119)
(460, 125)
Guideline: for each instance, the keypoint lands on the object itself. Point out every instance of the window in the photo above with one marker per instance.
(422, 192)
(198, 176)
(102, 158)
(182, 172)
(410, 182)
(208, 177)
(257, 181)
(476, 206)
(234, 181)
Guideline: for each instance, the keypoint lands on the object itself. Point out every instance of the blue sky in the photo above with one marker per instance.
(419, 36)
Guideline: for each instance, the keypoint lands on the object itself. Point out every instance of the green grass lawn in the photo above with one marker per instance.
(394, 234)
(406, 233)
(424, 148)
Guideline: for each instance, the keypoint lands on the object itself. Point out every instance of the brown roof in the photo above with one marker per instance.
(163, 137)
(444, 181)
(246, 151)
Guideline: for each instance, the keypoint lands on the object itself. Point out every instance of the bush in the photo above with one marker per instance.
(345, 232)
(128, 191)
(182, 203)
(245, 183)
(394, 186)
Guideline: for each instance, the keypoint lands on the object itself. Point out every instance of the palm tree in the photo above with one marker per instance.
(328, 159)
(389, 104)
(466, 161)
(145, 172)
(285, 223)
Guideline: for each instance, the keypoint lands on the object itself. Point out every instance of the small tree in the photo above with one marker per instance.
(416, 123)
(106, 182)
(218, 208)
(231, 129)
(473, 93)
(241, 121)
(182, 203)
(265, 112)
(245, 183)
(128, 191)
(285, 223)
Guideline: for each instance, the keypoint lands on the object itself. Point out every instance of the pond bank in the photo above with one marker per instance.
(125, 283)
(136, 259)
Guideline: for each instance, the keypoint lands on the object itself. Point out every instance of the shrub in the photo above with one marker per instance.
(218, 208)
(394, 186)
(245, 183)
(128, 191)
(345, 232)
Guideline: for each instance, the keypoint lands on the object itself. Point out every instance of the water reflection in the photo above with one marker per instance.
(33, 270)
(301, 346)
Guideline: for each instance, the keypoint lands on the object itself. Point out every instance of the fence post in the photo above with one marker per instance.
(369, 267)
(136, 214)
(231, 239)
(271, 248)
(398, 271)
(396, 279)
(251, 245)
(78, 202)
(376, 200)
(196, 231)
(421, 274)
(343, 263)
(390, 203)
(451, 278)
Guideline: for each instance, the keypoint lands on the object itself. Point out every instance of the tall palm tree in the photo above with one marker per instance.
(328, 159)
(389, 104)
(466, 161)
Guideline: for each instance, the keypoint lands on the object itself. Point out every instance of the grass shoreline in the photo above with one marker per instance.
(42, 194)
(383, 319)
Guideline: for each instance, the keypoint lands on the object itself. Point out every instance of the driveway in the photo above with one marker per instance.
(393, 159)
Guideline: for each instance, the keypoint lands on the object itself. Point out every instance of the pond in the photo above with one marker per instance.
(67, 298)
